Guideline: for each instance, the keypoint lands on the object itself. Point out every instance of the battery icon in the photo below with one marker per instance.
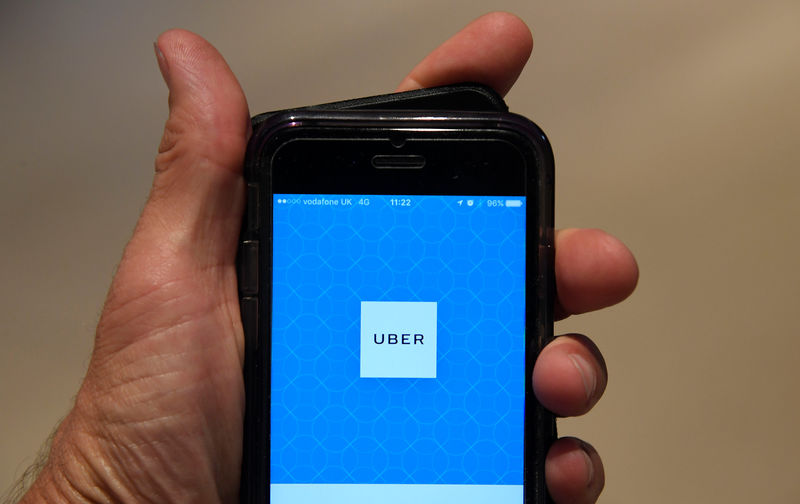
(513, 203)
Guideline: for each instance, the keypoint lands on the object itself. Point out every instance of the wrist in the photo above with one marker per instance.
(52, 487)
(68, 472)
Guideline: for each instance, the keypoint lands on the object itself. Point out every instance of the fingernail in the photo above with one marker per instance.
(587, 374)
(162, 61)
(589, 464)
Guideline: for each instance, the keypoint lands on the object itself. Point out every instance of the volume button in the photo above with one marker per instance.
(253, 207)
(249, 310)
(248, 275)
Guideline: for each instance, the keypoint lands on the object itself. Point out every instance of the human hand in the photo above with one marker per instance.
(159, 415)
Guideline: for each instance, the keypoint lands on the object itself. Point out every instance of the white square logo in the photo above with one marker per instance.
(398, 339)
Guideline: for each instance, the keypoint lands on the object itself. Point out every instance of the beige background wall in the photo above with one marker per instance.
(675, 126)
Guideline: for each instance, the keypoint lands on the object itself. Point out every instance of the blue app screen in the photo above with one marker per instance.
(398, 349)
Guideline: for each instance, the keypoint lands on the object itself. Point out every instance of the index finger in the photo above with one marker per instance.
(491, 50)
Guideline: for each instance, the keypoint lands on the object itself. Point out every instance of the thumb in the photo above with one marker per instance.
(190, 224)
(208, 117)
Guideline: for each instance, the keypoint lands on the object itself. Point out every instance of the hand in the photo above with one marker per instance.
(159, 414)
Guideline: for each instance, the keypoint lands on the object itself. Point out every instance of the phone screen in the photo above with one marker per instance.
(397, 348)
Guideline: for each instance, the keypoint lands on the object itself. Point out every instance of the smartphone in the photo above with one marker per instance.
(396, 281)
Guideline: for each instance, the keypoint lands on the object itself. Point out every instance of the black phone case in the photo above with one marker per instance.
(464, 97)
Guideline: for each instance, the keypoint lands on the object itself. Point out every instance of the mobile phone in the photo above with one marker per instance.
(396, 281)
